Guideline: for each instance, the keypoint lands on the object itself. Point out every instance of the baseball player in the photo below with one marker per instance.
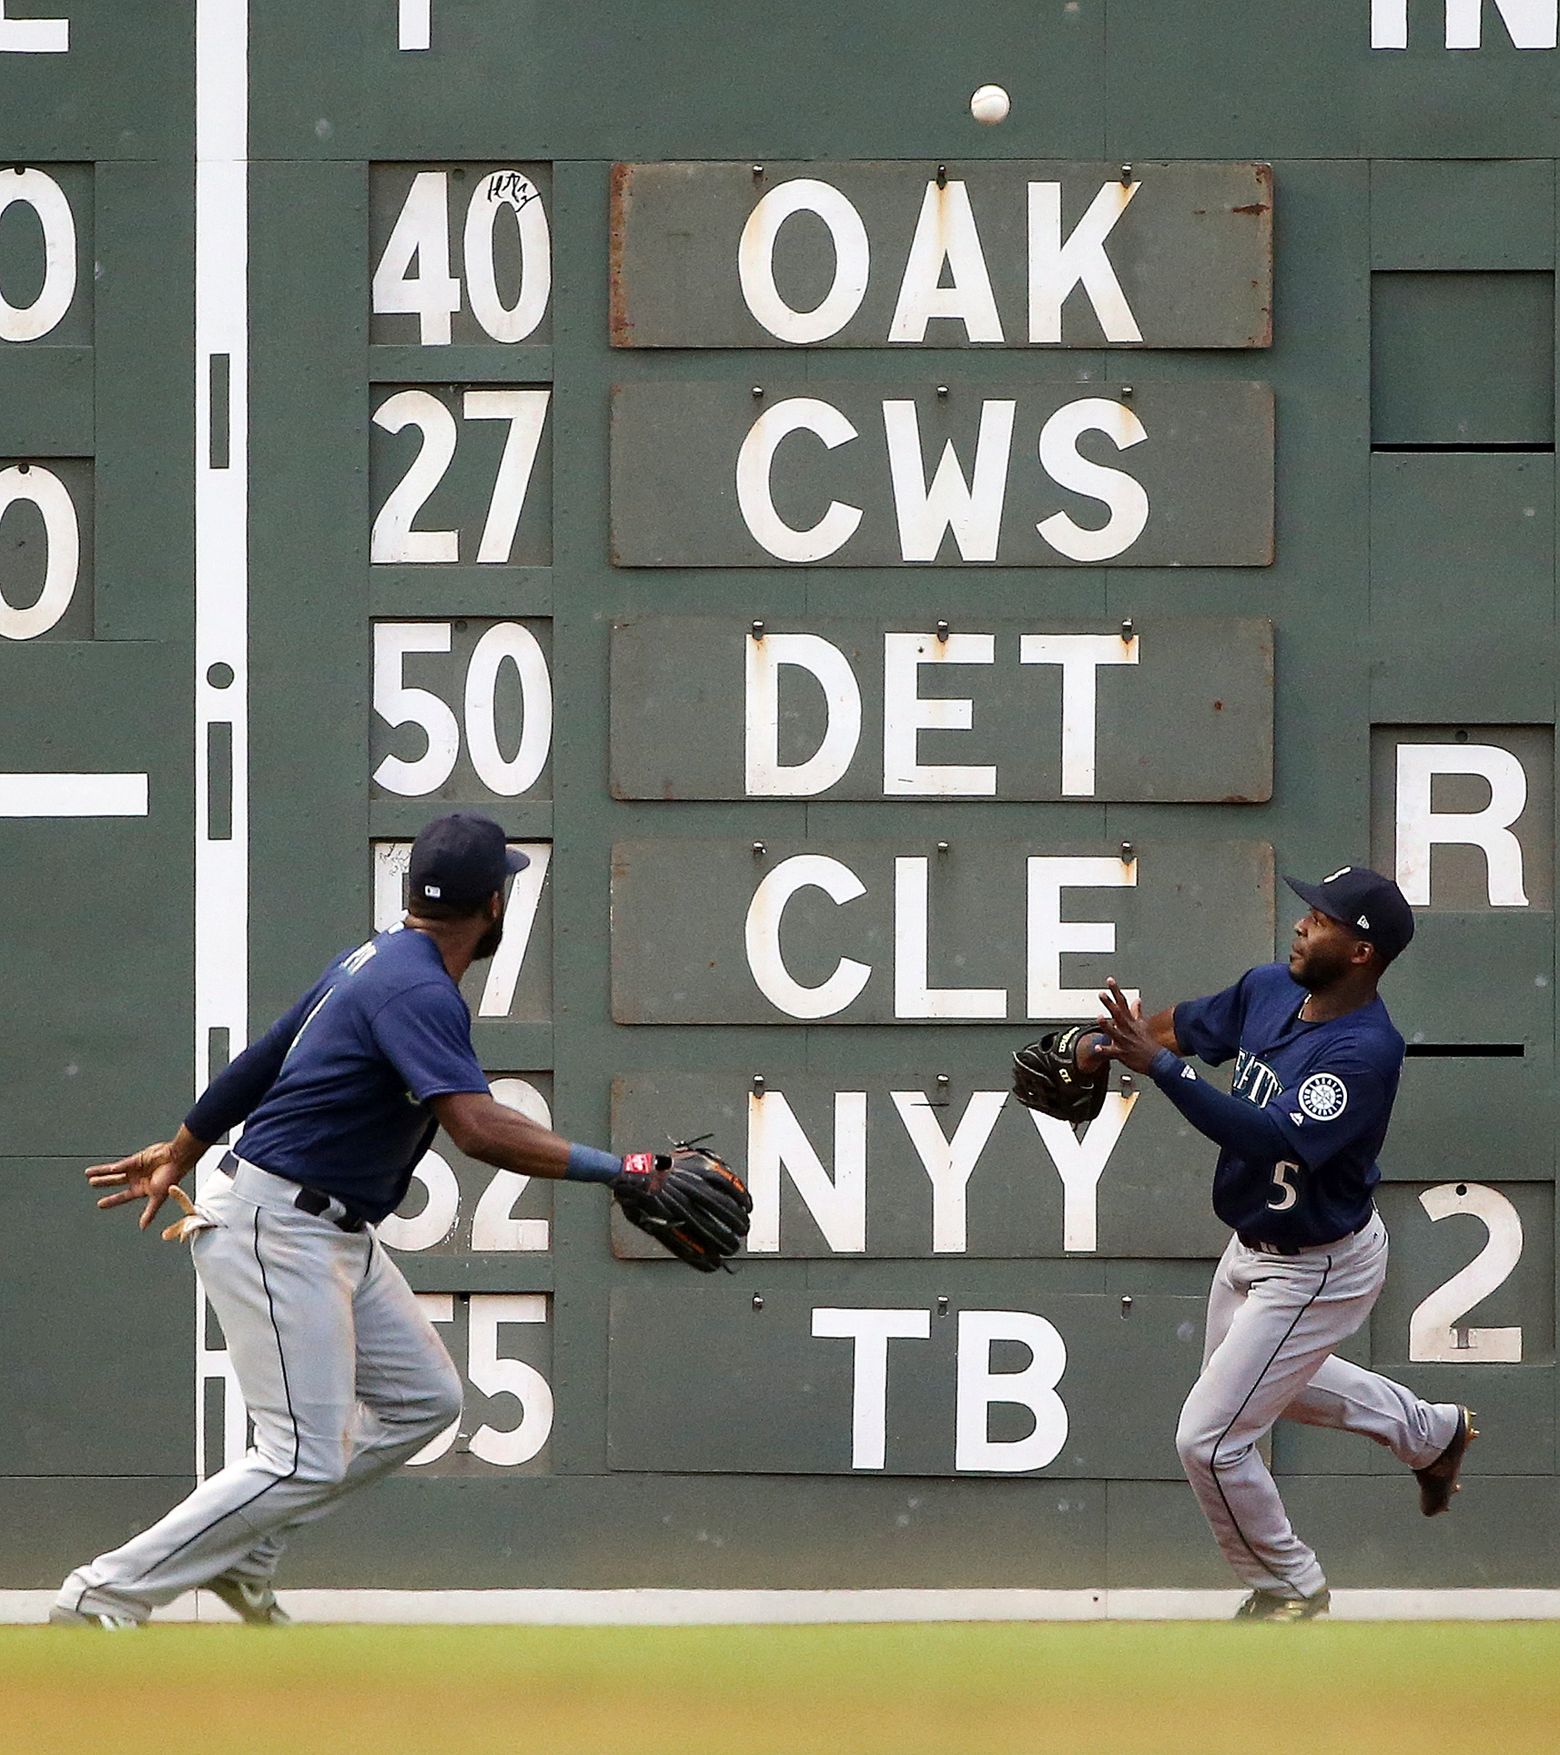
(1317, 1062)
(342, 1373)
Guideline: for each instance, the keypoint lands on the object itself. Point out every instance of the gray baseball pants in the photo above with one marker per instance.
(1273, 1322)
(343, 1375)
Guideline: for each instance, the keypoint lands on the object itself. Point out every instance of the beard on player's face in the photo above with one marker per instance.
(1322, 954)
(490, 940)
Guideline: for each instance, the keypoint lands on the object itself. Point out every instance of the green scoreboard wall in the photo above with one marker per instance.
(890, 573)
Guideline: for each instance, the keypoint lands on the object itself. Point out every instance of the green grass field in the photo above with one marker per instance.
(1096, 1689)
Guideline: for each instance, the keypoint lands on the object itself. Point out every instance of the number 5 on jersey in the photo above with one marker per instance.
(1285, 1192)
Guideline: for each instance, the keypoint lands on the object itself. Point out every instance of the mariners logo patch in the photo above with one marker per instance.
(1323, 1097)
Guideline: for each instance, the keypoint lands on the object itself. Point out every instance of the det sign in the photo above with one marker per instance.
(838, 708)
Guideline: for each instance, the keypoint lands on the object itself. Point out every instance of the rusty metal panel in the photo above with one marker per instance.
(853, 1164)
(852, 254)
(795, 1391)
(859, 475)
(915, 930)
(848, 709)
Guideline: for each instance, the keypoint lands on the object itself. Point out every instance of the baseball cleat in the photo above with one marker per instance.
(60, 1616)
(1438, 1480)
(1277, 1605)
(254, 1604)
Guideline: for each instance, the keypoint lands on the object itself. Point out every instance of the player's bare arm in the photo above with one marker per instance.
(149, 1174)
(489, 1131)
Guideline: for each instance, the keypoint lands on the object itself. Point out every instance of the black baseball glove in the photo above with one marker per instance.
(691, 1202)
(1046, 1077)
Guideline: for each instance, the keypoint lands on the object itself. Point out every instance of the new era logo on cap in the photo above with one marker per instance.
(1363, 923)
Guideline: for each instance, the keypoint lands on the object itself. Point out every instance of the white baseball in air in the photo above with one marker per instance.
(989, 104)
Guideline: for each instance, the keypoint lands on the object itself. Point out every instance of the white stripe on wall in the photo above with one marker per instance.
(221, 568)
(73, 795)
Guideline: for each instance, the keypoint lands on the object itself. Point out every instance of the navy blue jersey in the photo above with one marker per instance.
(1327, 1088)
(381, 1032)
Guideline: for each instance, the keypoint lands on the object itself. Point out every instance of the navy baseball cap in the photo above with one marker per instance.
(1365, 902)
(461, 859)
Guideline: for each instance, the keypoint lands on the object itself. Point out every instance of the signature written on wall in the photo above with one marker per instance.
(510, 186)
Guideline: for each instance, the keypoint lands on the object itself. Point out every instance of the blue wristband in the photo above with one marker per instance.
(587, 1164)
(1165, 1065)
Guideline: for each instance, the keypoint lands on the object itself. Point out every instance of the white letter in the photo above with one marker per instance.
(1055, 268)
(912, 951)
(1080, 1164)
(33, 36)
(1034, 1388)
(765, 776)
(945, 232)
(756, 261)
(1529, 23)
(948, 1162)
(776, 1142)
(754, 463)
(1389, 24)
(1420, 828)
(871, 1330)
(1061, 460)
(974, 515)
(803, 871)
(906, 714)
(1079, 656)
(1050, 936)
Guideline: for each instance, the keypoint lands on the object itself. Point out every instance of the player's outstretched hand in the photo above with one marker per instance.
(145, 1175)
(1130, 1042)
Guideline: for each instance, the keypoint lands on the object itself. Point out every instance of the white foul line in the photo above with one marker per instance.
(732, 1608)
(73, 795)
(221, 576)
